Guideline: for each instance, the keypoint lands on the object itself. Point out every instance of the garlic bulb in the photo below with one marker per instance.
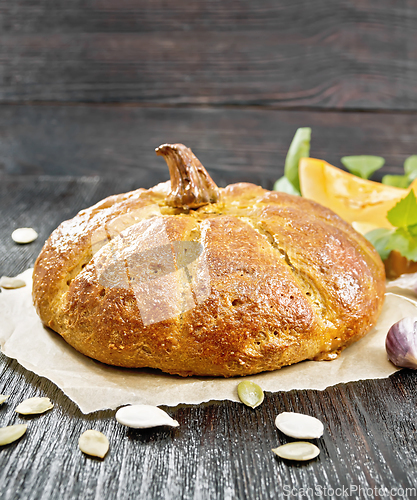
(401, 343)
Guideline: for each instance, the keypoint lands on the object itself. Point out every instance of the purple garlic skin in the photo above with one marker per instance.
(401, 343)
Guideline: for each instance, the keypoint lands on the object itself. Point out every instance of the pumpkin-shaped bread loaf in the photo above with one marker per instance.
(198, 280)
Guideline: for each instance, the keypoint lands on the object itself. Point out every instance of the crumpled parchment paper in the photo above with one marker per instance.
(94, 386)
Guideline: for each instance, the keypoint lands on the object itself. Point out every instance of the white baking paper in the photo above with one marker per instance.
(94, 386)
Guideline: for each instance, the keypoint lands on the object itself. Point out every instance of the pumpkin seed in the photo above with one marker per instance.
(94, 443)
(144, 416)
(3, 398)
(297, 450)
(250, 393)
(10, 283)
(298, 425)
(11, 433)
(24, 235)
(33, 406)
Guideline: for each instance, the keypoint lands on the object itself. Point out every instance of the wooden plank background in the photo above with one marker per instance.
(88, 89)
(234, 144)
(231, 79)
(344, 54)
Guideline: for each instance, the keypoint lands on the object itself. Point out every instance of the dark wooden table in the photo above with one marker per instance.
(87, 91)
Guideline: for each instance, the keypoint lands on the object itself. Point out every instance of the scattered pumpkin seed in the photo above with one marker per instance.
(11, 433)
(24, 235)
(10, 283)
(94, 443)
(33, 406)
(144, 416)
(298, 425)
(297, 450)
(250, 393)
(3, 398)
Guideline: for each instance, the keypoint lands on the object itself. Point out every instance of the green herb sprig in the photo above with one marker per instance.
(363, 166)
(404, 238)
(299, 148)
(403, 181)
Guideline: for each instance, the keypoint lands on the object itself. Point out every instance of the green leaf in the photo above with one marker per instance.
(412, 230)
(385, 240)
(362, 166)
(402, 241)
(412, 176)
(403, 181)
(380, 238)
(405, 211)
(400, 181)
(299, 148)
(285, 186)
(410, 167)
(403, 216)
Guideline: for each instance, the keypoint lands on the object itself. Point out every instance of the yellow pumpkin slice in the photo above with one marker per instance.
(352, 198)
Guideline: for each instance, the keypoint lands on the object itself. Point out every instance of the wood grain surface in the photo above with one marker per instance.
(328, 54)
(222, 450)
(234, 144)
(88, 89)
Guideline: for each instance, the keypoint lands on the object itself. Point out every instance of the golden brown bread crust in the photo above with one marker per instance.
(274, 280)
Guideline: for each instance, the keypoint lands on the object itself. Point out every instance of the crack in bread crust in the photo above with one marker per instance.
(286, 280)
